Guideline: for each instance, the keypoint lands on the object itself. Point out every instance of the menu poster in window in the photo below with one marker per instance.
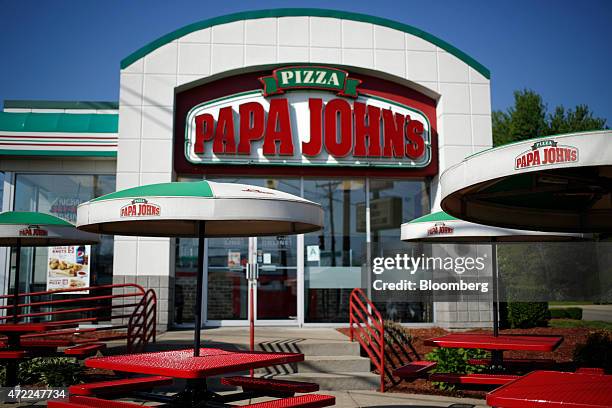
(68, 267)
(233, 260)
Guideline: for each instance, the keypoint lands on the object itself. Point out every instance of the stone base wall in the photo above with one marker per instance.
(463, 315)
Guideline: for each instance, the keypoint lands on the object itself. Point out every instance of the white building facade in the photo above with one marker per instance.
(358, 113)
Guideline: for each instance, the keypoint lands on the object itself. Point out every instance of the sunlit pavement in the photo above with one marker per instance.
(373, 399)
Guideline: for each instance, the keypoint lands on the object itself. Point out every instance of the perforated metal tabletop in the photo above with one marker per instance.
(182, 363)
(554, 389)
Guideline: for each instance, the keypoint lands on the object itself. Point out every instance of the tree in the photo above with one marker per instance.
(528, 118)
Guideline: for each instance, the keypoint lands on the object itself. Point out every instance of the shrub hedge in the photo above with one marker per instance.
(574, 313)
(524, 315)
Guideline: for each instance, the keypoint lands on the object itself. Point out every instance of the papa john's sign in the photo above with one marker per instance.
(308, 115)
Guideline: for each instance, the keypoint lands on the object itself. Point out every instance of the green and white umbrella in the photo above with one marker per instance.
(199, 209)
(34, 229)
(440, 227)
(554, 183)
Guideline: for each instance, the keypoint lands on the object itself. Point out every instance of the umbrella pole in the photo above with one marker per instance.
(497, 356)
(16, 291)
(12, 365)
(495, 291)
(200, 278)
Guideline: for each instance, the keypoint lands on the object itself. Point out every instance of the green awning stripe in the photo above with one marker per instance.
(59, 122)
(176, 189)
(59, 153)
(31, 218)
(434, 217)
(36, 104)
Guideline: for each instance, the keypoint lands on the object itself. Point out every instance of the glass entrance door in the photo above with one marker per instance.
(227, 289)
(276, 295)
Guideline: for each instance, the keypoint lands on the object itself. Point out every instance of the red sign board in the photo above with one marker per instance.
(305, 116)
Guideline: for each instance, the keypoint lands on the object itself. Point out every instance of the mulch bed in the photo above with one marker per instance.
(417, 351)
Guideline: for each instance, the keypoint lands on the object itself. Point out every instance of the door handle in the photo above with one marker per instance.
(252, 271)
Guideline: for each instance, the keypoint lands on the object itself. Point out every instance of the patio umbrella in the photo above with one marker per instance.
(201, 209)
(440, 227)
(34, 229)
(556, 183)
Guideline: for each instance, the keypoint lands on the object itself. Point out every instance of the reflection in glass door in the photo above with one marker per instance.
(227, 294)
(276, 297)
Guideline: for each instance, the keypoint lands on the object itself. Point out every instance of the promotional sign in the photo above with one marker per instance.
(233, 260)
(308, 116)
(68, 267)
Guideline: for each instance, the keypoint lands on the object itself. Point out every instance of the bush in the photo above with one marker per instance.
(524, 315)
(455, 360)
(596, 352)
(574, 313)
(48, 371)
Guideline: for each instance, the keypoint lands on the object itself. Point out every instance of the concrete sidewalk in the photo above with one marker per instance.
(373, 399)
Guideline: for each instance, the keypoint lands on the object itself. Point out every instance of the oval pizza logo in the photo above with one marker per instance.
(33, 231)
(140, 207)
(440, 229)
(545, 153)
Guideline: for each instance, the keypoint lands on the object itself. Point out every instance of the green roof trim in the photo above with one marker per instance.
(304, 12)
(175, 189)
(434, 217)
(35, 104)
(59, 122)
(31, 218)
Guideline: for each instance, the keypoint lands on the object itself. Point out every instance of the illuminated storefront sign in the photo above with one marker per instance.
(308, 116)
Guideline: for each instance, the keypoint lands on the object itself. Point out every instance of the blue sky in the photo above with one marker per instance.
(70, 50)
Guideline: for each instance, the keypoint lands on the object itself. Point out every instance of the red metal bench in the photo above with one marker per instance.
(84, 350)
(516, 362)
(303, 401)
(415, 369)
(90, 402)
(119, 386)
(130, 309)
(268, 384)
(490, 379)
(13, 354)
(591, 370)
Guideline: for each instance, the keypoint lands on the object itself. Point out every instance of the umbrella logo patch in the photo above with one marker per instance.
(140, 207)
(255, 190)
(33, 231)
(546, 153)
(440, 229)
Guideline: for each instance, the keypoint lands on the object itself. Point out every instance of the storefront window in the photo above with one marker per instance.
(60, 195)
(393, 202)
(334, 258)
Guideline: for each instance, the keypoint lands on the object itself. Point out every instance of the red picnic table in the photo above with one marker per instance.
(497, 344)
(554, 389)
(502, 342)
(14, 347)
(183, 364)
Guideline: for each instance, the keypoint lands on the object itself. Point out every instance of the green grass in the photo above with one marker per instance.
(569, 323)
(570, 303)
